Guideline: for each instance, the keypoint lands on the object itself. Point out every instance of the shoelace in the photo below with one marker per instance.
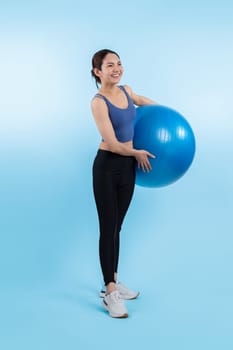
(115, 296)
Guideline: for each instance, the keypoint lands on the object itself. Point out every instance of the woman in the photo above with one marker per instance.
(114, 169)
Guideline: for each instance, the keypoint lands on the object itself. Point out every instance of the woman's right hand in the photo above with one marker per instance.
(142, 159)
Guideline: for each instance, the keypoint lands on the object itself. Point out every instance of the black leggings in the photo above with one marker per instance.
(113, 184)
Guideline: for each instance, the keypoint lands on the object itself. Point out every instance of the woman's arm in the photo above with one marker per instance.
(100, 113)
(139, 100)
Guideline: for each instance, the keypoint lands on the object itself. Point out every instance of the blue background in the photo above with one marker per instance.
(177, 245)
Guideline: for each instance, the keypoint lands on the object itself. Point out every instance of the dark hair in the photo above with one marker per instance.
(97, 61)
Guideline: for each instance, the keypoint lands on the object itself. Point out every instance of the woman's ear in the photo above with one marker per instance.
(96, 71)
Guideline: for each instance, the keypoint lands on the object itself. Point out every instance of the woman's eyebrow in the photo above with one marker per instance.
(109, 62)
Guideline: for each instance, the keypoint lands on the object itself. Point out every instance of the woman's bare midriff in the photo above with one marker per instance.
(105, 147)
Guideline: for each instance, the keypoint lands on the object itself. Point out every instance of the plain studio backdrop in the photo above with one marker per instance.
(176, 242)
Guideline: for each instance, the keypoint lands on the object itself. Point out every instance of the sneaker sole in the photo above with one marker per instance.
(114, 315)
(102, 295)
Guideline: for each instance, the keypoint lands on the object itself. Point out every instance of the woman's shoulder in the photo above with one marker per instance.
(97, 97)
(98, 101)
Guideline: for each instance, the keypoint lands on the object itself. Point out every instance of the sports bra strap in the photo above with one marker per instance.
(101, 96)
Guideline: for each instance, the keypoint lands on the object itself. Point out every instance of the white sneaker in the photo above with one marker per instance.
(114, 304)
(125, 293)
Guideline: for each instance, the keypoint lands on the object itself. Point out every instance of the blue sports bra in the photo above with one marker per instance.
(122, 118)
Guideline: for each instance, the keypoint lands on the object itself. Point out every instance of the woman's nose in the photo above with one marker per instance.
(116, 68)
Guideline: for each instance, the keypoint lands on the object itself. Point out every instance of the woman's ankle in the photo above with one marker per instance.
(110, 287)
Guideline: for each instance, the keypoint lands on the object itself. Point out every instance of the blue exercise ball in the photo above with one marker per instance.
(165, 133)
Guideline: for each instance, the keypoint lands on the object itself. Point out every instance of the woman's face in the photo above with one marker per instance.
(111, 69)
